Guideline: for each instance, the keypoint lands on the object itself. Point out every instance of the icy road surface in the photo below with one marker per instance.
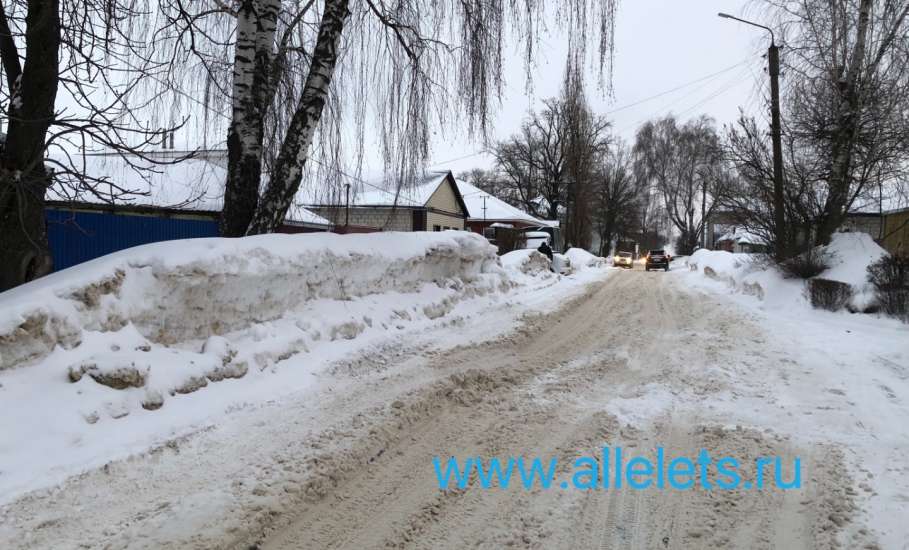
(638, 360)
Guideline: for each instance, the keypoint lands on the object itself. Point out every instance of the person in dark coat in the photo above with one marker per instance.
(545, 250)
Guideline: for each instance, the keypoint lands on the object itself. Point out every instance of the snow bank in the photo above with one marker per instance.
(746, 273)
(849, 255)
(527, 262)
(182, 290)
(581, 259)
(132, 350)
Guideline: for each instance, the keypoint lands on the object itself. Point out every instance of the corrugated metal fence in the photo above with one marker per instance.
(78, 236)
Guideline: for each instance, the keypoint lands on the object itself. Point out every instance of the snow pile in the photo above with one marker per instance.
(189, 290)
(528, 262)
(746, 273)
(581, 259)
(849, 255)
(129, 351)
(111, 356)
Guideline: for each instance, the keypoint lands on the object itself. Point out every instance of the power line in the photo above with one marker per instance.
(681, 86)
(459, 158)
(640, 101)
(726, 86)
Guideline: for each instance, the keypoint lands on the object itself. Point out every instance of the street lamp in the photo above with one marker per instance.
(773, 57)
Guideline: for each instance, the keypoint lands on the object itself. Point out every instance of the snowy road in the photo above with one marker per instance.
(638, 360)
(558, 390)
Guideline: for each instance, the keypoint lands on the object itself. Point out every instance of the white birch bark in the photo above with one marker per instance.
(256, 25)
(288, 170)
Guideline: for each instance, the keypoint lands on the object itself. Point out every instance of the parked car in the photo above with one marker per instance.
(623, 259)
(656, 259)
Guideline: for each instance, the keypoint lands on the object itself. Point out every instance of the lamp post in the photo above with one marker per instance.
(776, 132)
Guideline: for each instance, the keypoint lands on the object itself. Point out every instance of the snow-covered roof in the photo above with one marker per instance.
(496, 208)
(741, 236)
(195, 184)
(381, 193)
(378, 192)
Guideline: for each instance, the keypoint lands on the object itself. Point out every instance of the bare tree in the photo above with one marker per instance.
(848, 87)
(685, 165)
(298, 66)
(533, 162)
(83, 52)
(749, 196)
(616, 197)
(549, 166)
(586, 145)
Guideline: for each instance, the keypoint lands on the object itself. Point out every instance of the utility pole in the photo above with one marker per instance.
(347, 207)
(484, 197)
(776, 133)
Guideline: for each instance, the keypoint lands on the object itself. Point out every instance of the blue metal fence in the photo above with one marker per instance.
(77, 237)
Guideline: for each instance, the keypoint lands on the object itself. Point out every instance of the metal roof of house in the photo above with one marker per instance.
(493, 208)
(195, 184)
(386, 193)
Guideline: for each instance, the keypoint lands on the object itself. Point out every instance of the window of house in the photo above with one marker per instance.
(436, 228)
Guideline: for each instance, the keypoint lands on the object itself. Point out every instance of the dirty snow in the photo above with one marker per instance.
(115, 356)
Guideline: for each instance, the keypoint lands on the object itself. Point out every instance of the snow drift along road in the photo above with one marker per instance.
(849, 255)
(181, 290)
(120, 354)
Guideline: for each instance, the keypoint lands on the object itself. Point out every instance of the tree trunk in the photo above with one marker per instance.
(845, 133)
(256, 24)
(23, 177)
(288, 171)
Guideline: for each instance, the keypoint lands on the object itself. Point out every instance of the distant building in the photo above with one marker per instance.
(488, 215)
(863, 222)
(434, 204)
(740, 241)
(166, 202)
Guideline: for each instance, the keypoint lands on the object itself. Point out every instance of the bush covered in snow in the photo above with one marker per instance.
(806, 265)
(890, 278)
(829, 295)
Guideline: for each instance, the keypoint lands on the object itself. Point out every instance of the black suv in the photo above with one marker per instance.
(657, 259)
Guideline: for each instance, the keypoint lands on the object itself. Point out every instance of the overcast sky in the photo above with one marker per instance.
(660, 45)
